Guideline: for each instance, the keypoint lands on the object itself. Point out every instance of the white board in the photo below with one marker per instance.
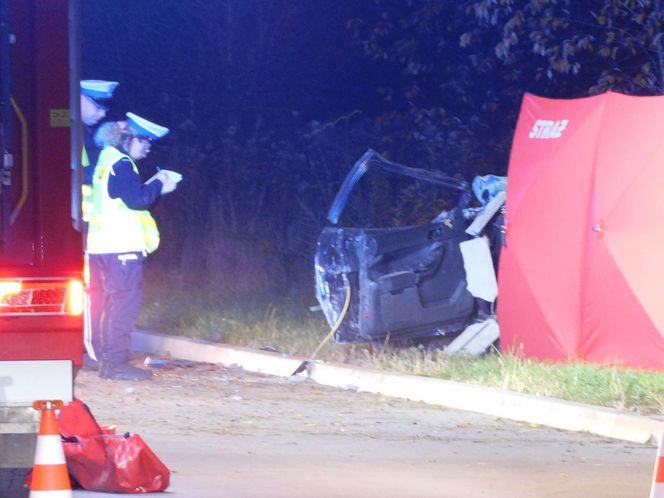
(24, 382)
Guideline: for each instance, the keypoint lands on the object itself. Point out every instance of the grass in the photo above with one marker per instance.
(293, 330)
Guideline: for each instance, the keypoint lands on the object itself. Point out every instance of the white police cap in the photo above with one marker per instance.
(98, 89)
(145, 128)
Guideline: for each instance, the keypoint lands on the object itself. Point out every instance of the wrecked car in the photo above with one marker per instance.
(410, 283)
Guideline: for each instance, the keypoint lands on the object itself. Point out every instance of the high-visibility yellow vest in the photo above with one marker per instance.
(86, 190)
(114, 227)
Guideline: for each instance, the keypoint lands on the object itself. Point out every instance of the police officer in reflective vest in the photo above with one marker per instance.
(121, 234)
(95, 97)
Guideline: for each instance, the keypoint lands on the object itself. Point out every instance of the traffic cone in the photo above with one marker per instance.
(657, 489)
(49, 474)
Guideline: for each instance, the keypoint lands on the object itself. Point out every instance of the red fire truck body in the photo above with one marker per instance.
(41, 257)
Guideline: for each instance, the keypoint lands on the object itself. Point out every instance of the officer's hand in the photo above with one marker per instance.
(168, 187)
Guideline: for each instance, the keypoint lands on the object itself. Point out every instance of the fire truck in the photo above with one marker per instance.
(41, 256)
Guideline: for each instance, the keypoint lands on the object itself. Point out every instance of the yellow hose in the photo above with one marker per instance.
(334, 328)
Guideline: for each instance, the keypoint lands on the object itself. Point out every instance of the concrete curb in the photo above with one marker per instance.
(514, 406)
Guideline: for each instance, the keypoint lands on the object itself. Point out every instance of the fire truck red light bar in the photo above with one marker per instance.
(53, 297)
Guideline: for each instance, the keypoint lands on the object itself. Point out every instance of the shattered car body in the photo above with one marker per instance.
(405, 283)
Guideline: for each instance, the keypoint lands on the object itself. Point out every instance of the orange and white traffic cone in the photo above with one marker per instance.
(49, 474)
(657, 489)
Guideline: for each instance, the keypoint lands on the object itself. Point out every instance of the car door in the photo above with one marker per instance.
(405, 282)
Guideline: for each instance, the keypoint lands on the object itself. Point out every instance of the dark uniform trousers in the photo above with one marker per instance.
(120, 277)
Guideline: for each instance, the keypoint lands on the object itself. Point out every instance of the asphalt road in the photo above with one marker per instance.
(228, 433)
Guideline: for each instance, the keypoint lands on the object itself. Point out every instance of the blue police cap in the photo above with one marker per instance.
(98, 89)
(145, 128)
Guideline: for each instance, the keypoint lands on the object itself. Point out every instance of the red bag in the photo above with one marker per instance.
(100, 460)
(116, 463)
(76, 420)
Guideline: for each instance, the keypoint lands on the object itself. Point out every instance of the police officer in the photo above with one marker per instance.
(121, 234)
(95, 97)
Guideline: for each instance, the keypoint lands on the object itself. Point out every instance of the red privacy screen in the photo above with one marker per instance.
(582, 272)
